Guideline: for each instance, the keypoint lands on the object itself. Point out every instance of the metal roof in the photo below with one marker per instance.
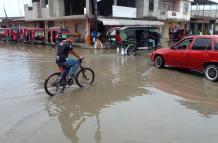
(205, 2)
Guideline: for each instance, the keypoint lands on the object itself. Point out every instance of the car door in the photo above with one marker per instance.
(215, 51)
(199, 53)
(177, 56)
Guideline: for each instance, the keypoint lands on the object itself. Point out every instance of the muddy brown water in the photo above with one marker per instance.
(130, 101)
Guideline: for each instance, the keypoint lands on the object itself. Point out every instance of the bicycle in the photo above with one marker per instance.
(57, 82)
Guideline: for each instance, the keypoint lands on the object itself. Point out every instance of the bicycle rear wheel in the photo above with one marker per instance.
(85, 77)
(52, 85)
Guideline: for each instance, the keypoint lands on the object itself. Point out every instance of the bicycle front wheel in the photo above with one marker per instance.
(52, 85)
(85, 77)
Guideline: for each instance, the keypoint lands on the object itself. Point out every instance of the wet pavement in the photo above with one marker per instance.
(130, 101)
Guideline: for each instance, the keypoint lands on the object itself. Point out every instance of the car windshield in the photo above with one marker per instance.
(123, 35)
(64, 36)
(39, 33)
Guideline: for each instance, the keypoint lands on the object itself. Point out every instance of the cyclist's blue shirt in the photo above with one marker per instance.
(63, 51)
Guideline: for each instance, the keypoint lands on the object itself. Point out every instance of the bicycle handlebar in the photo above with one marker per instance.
(81, 60)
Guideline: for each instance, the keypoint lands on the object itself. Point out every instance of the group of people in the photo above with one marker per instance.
(176, 33)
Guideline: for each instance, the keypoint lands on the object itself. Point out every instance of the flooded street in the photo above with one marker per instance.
(130, 101)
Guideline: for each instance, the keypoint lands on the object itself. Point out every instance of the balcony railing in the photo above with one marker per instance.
(205, 13)
(174, 15)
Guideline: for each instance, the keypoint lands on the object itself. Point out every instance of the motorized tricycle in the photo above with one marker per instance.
(57, 34)
(37, 35)
(3, 34)
(139, 37)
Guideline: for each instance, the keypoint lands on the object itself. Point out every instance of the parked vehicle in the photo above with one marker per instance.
(144, 37)
(57, 34)
(13, 34)
(3, 34)
(25, 34)
(37, 35)
(198, 53)
(113, 38)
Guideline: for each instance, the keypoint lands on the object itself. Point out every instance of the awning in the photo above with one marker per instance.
(72, 17)
(130, 22)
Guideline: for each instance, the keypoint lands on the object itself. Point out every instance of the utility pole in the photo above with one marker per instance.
(96, 18)
(6, 16)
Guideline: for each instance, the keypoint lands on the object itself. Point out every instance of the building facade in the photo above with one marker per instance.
(171, 12)
(203, 17)
(79, 15)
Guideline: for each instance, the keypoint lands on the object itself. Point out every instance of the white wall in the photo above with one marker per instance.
(121, 11)
(34, 13)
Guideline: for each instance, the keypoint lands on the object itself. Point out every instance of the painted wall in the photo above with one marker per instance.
(121, 11)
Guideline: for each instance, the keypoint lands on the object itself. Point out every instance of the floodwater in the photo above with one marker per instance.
(130, 101)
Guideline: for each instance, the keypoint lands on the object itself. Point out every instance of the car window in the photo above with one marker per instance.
(216, 45)
(209, 45)
(184, 44)
(202, 44)
(113, 33)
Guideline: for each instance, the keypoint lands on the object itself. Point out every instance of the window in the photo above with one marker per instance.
(184, 44)
(201, 44)
(216, 45)
(168, 6)
(186, 8)
(151, 5)
(130, 34)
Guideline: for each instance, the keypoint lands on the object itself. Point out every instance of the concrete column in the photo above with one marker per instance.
(140, 8)
(195, 27)
(42, 3)
(46, 31)
(51, 8)
(156, 8)
(115, 2)
(146, 8)
(88, 37)
(165, 33)
(88, 7)
(63, 24)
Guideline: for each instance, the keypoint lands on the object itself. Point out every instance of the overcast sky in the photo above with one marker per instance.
(16, 7)
(13, 7)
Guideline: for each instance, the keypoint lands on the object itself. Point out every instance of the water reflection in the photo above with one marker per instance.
(199, 94)
(118, 107)
(119, 83)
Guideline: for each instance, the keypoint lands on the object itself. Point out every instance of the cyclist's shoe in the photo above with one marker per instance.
(70, 79)
(63, 82)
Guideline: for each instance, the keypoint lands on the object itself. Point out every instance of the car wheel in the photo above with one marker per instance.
(211, 72)
(159, 62)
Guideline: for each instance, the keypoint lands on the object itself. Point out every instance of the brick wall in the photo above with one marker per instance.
(34, 13)
(58, 8)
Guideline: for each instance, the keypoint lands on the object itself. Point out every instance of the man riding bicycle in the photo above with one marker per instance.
(63, 50)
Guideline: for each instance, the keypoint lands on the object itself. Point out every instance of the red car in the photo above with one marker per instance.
(198, 53)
